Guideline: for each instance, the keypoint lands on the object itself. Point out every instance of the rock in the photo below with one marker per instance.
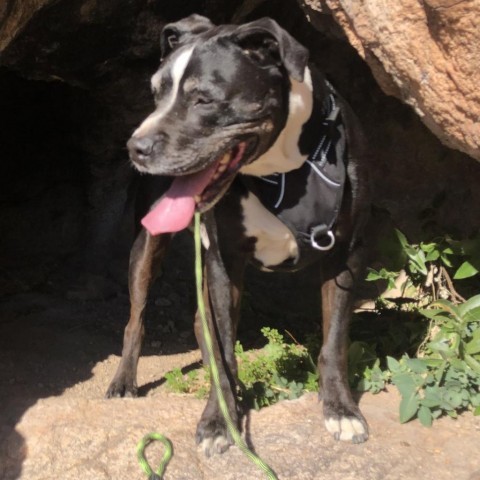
(424, 53)
(14, 16)
(71, 438)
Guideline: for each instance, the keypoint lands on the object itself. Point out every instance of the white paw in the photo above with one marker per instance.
(347, 429)
(210, 446)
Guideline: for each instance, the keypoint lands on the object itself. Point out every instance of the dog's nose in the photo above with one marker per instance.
(140, 146)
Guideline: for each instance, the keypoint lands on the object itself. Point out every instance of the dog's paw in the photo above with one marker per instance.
(211, 446)
(212, 437)
(118, 389)
(348, 428)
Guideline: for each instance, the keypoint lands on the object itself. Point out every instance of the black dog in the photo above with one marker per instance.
(262, 144)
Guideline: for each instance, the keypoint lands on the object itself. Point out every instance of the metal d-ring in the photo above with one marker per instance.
(329, 234)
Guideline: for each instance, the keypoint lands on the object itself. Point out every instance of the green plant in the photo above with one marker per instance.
(195, 381)
(278, 371)
(445, 376)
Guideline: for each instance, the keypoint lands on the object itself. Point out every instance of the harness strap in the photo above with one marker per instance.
(325, 176)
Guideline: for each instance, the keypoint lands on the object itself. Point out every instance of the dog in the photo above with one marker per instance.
(250, 134)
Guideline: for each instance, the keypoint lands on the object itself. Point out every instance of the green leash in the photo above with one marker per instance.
(232, 428)
(142, 444)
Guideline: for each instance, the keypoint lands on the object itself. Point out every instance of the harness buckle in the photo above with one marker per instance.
(322, 233)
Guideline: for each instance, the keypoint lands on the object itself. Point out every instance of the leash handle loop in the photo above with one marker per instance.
(167, 455)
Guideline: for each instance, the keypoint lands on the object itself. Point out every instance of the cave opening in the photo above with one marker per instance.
(44, 181)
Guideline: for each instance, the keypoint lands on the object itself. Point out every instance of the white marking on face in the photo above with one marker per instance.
(177, 72)
(275, 242)
(284, 155)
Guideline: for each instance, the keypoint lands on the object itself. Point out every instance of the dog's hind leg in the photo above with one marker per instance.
(222, 295)
(343, 418)
(145, 261)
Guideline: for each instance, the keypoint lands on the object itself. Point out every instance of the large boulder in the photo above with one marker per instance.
(426, 53)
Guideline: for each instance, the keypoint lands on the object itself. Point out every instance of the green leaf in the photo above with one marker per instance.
(425, 416)
(436, 314)
(429, 247)
(476, 412)
(473, 346)
(446, 261)
(434, 362)
(449, 307)
(431, 399)
(466, 270)
(470, 307)
(417, 365)
(440, 347)
(472, 363)
(452, 399)
(432, 256)
(393, 364)
(373, 275)
(409, 407)
(418, 260)
(402, 238)
(405, 383)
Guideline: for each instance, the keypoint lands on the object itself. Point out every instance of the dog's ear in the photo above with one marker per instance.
(266, 42)
(176, 33)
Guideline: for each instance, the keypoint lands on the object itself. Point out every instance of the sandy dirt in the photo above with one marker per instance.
(59, 352)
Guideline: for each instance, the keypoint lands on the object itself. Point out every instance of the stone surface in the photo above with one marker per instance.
(58, 356)
(15, 15)
(426, 53)
(71, 438)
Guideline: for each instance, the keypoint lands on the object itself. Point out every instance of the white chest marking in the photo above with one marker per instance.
(275, 242)
(166, 104)
(284, 155)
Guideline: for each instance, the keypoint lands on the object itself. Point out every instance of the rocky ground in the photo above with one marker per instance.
(58, 353)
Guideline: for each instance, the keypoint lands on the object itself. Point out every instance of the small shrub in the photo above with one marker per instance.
(445, 376)
(278, 371)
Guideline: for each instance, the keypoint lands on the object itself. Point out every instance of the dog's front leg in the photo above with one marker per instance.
(145, 261)
(222, 293)
(343, 418)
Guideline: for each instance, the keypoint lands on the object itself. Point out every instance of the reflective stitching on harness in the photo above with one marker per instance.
(322, 175)
(325, 153)
(318, 149)
(265, 179)
(282, 191)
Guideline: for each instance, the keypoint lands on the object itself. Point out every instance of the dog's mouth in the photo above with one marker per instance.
(196, 191)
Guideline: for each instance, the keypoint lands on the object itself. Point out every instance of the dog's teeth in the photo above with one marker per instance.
(225, 159)
(197, 198)
(222, 167)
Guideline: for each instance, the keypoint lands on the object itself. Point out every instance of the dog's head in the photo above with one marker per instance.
(222, 98)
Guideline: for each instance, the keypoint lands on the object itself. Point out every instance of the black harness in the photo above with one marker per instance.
(308, 200)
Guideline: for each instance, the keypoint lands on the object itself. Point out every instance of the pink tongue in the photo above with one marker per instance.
(176, 208)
